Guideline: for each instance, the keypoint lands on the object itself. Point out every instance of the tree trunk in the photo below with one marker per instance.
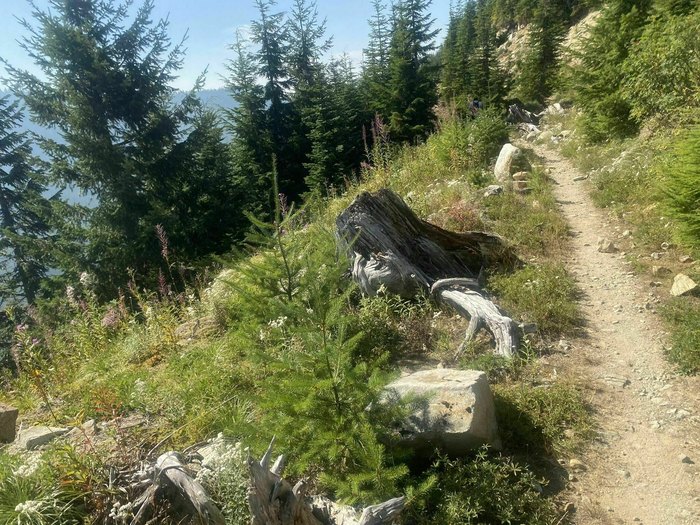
(393, 251)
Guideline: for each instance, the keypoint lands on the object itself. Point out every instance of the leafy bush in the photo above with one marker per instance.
(543, 294)
(486, 489)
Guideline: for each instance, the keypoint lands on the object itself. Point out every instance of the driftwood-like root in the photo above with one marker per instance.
(173, 481)
(393, 251)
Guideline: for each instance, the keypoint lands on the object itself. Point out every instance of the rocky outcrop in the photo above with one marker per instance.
(454, 410)
(8, 421)
(35, 437)
(683, 285)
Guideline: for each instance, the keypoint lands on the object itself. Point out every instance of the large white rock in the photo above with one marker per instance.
(34, 437)
(455, 410)
(8, 420)
(504, 164)
(682, 285)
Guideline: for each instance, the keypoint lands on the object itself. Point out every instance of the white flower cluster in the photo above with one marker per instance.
(278, 323)
(224, 476)
(122, 513)
(220, 455)
(28, 468)
(29, 509)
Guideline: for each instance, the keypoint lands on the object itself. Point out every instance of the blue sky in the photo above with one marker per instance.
(212, 25)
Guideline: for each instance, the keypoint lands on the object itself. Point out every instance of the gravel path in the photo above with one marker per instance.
(644, 465)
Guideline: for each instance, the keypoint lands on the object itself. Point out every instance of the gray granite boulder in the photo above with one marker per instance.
(454, 410)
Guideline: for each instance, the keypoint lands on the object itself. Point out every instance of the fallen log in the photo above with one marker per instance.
(393, 251)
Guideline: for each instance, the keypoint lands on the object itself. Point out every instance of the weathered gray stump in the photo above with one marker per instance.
(393, 251)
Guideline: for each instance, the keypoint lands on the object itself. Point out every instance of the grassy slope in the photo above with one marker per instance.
(191, 390)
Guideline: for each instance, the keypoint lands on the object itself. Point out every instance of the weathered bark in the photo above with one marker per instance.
(394, 251)
(172, 480)
(273, 501)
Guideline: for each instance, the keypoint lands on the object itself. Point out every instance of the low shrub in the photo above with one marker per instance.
(485, 489)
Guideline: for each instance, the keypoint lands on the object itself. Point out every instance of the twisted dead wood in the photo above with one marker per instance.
(394, 251)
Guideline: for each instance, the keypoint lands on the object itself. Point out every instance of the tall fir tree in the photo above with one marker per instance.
(25, 244)
(598, 75)
(375, 73)
(105, 84)
(412, 82)
(271, 34)
(335, 125)
(489, 82)
(539, 70)
(457, 73)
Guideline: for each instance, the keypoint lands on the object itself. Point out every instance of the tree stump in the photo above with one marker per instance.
(393, 251)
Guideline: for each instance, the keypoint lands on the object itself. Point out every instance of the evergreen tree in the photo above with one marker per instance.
(412, 83)
(270, 33)
(335, 125)
(307, 43)
(457, 78)
(488, 81)
(599, 75)
(24, 212)
(105, 85)
(375, 74)
(538, 73)
(250, 143)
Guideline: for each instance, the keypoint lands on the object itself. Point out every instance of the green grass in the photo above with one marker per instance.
(532, 222)
(535, 419)
(683, 315)
(543, 294)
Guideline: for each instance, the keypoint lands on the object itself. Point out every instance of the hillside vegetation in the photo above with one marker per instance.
(205, 294)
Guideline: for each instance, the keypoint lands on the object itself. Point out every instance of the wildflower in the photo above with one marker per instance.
(111, 318)
(70, 295)
(28, 509)
(86, 280)
(278, 323)
(163, 240)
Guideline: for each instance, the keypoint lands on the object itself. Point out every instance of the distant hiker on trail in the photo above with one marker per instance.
(474, 107)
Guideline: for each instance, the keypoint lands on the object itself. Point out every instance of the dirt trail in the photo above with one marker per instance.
(644, 465)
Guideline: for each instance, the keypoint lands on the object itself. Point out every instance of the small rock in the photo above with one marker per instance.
(659, 270)
(572, 477)
(577, 465)
(685, 459)
(626, 233)
(8, 421)
(521, 175)
(656, 256)
(34, 437)
(606, 246)
(493, 190)
(685, 259)
(682, 285)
